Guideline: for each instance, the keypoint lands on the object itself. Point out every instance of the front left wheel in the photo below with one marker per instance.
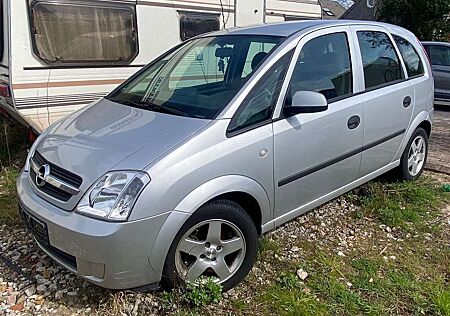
(218, 241)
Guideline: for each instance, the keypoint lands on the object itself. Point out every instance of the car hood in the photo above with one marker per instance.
(110, 136)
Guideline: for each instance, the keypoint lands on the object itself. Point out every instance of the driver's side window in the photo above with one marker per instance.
(323, 66)
(258, 106)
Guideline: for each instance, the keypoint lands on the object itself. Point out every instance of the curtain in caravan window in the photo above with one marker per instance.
(70, 33)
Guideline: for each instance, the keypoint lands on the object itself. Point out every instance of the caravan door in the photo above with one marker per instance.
(250, 12)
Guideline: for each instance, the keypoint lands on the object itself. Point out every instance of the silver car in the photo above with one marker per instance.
(439, 54)
(174, 175)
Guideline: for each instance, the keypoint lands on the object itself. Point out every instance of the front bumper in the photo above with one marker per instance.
(108, 254)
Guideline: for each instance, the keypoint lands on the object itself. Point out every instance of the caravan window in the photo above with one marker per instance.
(71, 33)
(193, 24)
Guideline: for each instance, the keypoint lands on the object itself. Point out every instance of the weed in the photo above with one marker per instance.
(203, 293)
(289, 281)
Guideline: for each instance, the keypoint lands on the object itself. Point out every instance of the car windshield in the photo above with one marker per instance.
(199, 78)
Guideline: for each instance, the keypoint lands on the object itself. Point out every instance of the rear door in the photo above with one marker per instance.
(440, 63)
(388, 98)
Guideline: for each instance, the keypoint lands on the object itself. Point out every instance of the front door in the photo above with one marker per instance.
(318, 153)
(388, 98)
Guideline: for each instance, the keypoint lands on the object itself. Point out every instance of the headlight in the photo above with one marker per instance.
(113, 196)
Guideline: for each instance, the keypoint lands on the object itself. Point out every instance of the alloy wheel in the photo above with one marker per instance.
(213, 248)
(416, 155)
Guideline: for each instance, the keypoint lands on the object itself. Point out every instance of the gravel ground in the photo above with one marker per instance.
(31, 283)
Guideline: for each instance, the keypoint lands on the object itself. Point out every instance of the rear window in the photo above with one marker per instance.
(414, 65)
(380, 61)
(74, 33)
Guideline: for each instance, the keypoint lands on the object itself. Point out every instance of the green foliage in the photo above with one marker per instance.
(205, 292)
(427, 19)
(289, 281)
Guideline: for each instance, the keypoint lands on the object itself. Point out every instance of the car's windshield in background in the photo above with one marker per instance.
(198, 79)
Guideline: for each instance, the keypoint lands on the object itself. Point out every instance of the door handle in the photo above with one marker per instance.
(407, 102)
(353, 122)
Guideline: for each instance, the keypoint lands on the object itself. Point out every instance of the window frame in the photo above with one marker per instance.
(184, 14)
(397, 53)
(31, 4)
(338, 98)
(404, 62)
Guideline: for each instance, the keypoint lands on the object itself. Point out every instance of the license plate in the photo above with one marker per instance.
(36, 226)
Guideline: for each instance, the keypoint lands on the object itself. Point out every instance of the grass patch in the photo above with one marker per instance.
(13, 146)
(8, 196)
(403, 204)
(266, 245)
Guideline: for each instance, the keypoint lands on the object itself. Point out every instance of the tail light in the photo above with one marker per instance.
(4, 90)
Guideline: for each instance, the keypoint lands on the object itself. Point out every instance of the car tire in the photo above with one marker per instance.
(212, 252)
(413, 160)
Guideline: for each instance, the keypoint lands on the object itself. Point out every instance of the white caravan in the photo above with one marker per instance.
(60, 55)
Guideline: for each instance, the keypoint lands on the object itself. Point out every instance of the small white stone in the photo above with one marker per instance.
(302, 274)
(295, 249)
(341, 254)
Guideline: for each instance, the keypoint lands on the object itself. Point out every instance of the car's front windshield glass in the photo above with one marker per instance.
(198, 79)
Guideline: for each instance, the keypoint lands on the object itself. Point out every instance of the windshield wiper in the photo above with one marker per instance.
(166, 109)
(129, 103)
(152, 107)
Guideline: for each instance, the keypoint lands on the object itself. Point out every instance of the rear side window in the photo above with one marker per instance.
(439, 55)
(380, 61)
(323, 66)
(193, 24)
(74, 33)
(414, 65)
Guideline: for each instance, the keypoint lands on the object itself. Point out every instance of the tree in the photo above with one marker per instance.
(428, 19)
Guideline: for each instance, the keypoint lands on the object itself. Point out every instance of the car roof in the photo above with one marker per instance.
(436, 43)
(286, 29)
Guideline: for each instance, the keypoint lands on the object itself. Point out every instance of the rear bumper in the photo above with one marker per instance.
(108, 254)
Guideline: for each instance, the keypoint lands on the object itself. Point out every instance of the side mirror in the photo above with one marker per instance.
(306, 102)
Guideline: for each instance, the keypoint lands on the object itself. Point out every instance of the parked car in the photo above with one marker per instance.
(439, 54)
(173, 175)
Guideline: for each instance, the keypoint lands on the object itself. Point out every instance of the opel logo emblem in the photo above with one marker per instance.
(42, 174)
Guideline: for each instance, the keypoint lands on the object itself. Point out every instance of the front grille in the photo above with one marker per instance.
(59, 173)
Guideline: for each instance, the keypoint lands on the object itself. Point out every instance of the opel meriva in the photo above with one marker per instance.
(173, 175)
